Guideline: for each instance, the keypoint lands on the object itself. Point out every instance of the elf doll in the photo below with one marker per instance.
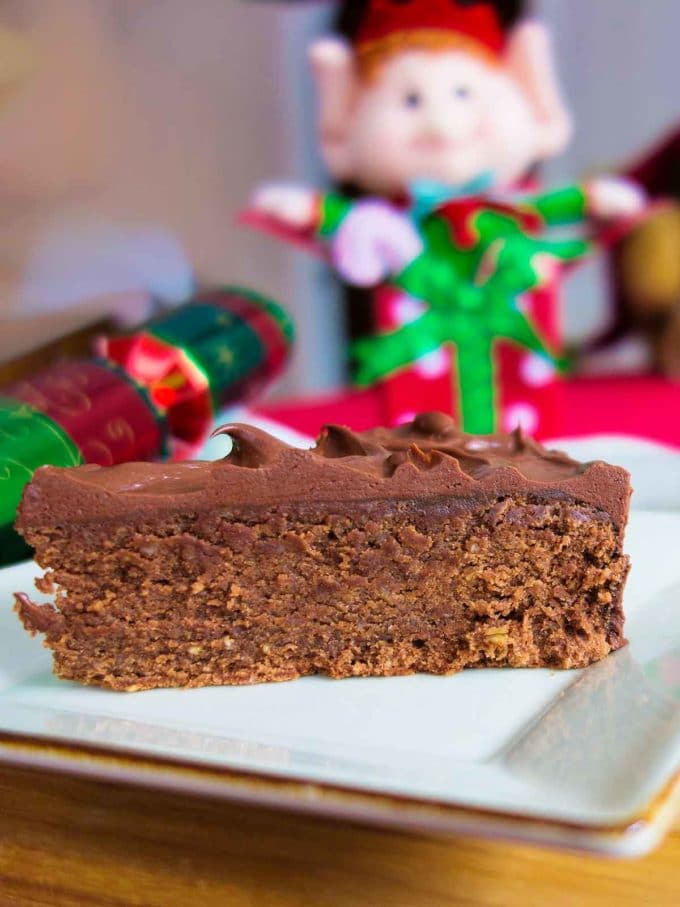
(437, 113)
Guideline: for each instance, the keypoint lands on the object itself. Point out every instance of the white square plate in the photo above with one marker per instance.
(585, 759)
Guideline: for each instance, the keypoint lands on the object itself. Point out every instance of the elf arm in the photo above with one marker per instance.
(607, 198)
(366, 240)
(331, 210)
(561, 206)
(298, 209)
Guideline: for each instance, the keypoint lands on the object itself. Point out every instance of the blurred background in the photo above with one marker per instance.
(133, 131)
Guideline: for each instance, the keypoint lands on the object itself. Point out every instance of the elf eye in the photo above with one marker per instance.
(412, 100)
(461, 91)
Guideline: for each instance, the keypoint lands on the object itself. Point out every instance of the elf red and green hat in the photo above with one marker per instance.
(475, 23)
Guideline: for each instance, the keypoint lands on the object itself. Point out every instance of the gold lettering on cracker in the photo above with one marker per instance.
(15, 426)
(225, 356)
(116, 429)
(174, 380)
(68, 398)
(32, 395)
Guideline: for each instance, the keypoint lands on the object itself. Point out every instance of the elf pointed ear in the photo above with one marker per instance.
(337, 84)
(529, 58)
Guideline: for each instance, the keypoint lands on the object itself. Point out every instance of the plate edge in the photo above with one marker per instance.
(633, 837)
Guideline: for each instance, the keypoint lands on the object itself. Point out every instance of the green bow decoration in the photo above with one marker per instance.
(472, 302)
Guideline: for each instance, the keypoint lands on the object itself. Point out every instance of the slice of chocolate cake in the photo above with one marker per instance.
(394, 551)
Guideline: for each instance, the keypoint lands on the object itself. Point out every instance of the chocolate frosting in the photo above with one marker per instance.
(429, 456)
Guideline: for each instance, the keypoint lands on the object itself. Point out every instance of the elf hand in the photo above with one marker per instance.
(374, 241)
(295, 206)
(613, 197)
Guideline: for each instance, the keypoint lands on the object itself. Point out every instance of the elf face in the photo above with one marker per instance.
(443, 115)
(439, 116)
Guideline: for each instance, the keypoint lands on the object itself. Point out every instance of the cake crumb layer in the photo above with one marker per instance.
(386, 588)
